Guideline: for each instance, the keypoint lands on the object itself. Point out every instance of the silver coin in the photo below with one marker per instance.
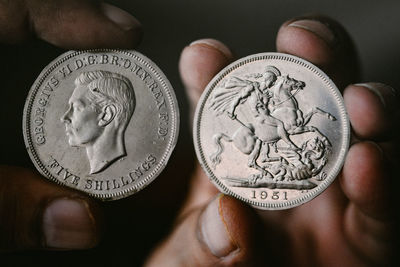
(104, 122)
(271, 130)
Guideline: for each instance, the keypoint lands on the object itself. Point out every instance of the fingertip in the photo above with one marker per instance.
(200, 62)
(308, 39)
(125, 21)
(216, 44)
(220, 233)
(120, 17)
(370, 109)
(71, 223)
(215, 233)
(237, 236)
(240, 219)
(324, 42)
(364, 179)
(84, 25)
(38, 214)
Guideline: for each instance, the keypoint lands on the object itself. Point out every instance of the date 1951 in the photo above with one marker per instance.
(264, 195)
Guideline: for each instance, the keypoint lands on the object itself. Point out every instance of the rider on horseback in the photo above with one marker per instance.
(258, 95)
(272, 114)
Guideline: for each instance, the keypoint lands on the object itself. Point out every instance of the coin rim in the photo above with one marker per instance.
(161, 78)
(343, 113)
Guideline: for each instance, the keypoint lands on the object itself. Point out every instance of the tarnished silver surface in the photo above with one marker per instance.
(271, 130)
(103, 121)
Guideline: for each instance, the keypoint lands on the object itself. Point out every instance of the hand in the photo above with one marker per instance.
(36, 213)
(350, 224)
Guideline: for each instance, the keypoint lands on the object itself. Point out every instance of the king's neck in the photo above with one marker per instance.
(104, 152)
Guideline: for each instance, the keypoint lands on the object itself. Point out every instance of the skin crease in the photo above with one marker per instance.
(323, 232)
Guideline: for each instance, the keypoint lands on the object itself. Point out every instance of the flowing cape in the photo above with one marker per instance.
(229, 92)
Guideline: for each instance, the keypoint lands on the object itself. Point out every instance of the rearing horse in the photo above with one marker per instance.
(282, 108)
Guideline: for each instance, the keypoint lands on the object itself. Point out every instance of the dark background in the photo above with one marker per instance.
(248, 27)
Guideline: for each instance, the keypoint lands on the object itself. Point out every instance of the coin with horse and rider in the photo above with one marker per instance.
(271, 130)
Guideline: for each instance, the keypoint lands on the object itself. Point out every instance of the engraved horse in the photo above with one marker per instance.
(283, 107)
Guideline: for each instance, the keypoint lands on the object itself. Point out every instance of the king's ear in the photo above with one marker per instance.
(107, 114)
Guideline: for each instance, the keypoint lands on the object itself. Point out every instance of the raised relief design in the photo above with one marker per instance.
(99, 110)
(272, 119)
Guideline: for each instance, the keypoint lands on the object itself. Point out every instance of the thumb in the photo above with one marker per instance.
(35, 213)
(71, 24)
(224, 232)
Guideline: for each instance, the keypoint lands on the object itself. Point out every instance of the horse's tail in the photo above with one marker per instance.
(216, 156)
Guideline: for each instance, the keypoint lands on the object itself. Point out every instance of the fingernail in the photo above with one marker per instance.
(316, 27)
(122, 18)
(214, 231)
(69, 224)
(214, 44)
(377, 89)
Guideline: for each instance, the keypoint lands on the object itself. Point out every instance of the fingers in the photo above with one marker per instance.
(69, 24)
(35, 213)
(365, 179)
(225, 232)
(368, 172)
(372, 108)
(323, 42)
(371, 239)
(199, 63)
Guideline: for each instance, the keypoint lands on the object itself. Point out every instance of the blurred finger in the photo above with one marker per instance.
(373, 109)
(76, 24)
(325, 43)
(368, 221)
(201, 191)
(199, 63)
(365, 179)
(372, 239)
(224, 233)
(35, 213)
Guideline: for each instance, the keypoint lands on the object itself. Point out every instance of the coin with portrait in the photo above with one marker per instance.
(104, 122)
(271, 129)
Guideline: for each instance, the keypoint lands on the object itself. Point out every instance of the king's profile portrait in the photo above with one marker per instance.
(99, 111)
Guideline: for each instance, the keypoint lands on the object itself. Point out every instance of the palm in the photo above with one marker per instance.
(314, 230)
